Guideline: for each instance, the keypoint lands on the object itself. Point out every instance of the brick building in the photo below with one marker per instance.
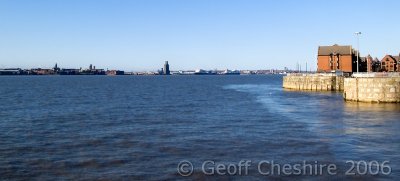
(40, 71)
(376, 65)
(390, 63)
(369, 62)
(339, 58)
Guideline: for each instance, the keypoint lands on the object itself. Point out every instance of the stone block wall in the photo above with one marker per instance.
(372, 89)
(313, 82)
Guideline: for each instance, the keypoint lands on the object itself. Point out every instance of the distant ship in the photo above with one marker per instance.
(216, 72)
(204, 72)
(231, 72)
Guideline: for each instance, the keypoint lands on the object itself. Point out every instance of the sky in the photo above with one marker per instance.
(139, 35)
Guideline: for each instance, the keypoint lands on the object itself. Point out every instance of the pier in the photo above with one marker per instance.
(360, 87)
(373, 87)
(314, 81)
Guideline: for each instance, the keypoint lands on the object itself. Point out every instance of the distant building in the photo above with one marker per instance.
(69, 71)
(166, 70)
(40, 71)
(390, 63)
(115, 72)
(339, 58)
(92, 71)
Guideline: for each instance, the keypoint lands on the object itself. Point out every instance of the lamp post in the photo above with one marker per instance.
(306, 68)
(358, 47)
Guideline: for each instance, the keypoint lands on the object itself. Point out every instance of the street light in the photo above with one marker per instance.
(358, 46)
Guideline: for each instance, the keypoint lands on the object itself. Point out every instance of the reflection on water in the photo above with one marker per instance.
(375, 108)
(353, 131)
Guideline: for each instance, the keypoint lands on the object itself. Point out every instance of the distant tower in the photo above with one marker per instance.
(90, 67)
(56, 69)
(166, 69)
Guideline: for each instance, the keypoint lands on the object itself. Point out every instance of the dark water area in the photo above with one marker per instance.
(142, 127)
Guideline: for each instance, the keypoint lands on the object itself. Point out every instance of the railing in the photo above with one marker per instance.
(376, 74)
(332, 74)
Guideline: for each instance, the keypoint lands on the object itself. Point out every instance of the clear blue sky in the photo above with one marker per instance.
(190, 34)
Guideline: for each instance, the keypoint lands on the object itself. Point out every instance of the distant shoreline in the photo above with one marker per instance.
(51, 75)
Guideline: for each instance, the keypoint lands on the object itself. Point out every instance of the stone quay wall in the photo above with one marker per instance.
(314, 82)
(372, 89)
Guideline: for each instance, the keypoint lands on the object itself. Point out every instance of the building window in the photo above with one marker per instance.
(337, 64)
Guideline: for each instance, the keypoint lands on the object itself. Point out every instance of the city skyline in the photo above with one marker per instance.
(140, 35)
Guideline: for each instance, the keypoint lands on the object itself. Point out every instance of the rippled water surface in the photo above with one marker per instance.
(141, 127)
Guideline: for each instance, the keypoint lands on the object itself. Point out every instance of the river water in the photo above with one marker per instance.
(142, 127)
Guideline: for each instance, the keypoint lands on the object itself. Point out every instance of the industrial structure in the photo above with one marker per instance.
(166, 69)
